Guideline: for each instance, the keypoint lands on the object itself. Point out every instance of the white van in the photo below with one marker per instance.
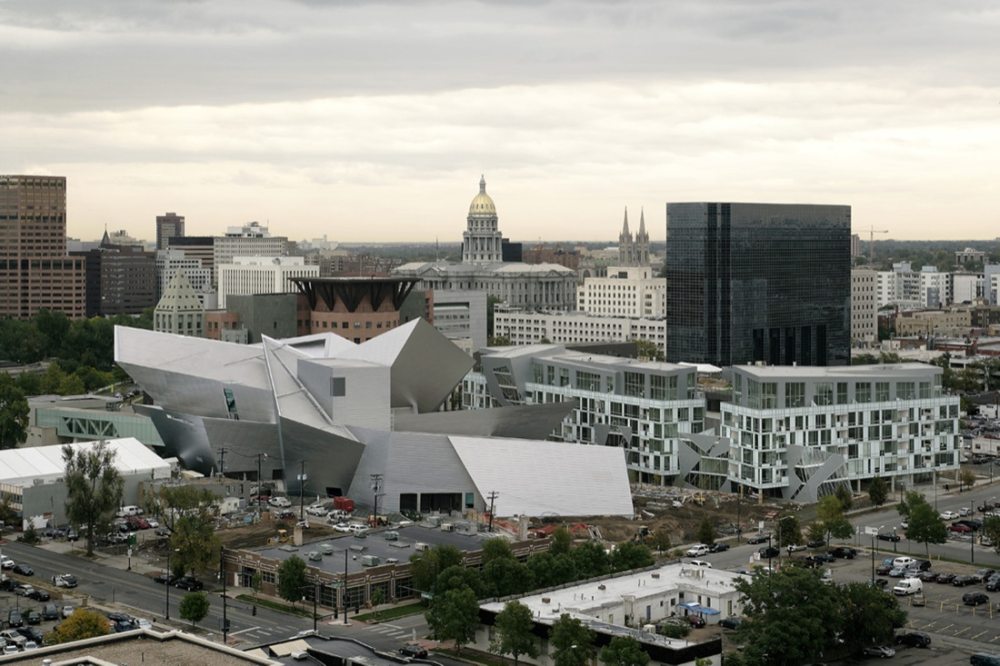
(129, 510)
(903, 562)
(908, 586)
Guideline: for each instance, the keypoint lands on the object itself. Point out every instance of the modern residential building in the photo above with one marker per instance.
(625, 292)
(530, 327)
(644, 408)
(180, 311)
(799, 432)
(248, 275)
(633, 251)
(758, 282)
(864, 307)
(902, 287)
(348, 411)
(35, 271)
(855, 245)
(627, 606)
(991, 283)
(250, 240)
(168, 225)
(546, 286)
(935, 287)
(461, 317)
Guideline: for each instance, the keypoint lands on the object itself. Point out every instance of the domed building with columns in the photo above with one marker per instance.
(519, 285)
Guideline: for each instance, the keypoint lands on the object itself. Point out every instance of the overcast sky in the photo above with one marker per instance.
(373, 120)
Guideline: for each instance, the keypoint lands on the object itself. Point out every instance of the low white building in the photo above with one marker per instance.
(31, 478)
(247, 276)
(525, 328)
(630, 605)
(627, 291)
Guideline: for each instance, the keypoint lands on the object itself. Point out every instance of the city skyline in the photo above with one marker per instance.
(373, 121)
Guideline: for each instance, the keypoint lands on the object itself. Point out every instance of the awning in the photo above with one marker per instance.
(697, 608)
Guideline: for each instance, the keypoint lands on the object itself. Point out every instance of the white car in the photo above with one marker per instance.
(153, 524)
(341, 527)
(6, 562)
(143, 623)
(949, 515)
(793, 548)
(317, 510)
(281, 502)
(697, 550)
(700, 563)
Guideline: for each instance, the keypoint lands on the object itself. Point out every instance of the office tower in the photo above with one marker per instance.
(758, 283)
(35, 271)
(247, 276)
(250, 240)
(121, 279)
(864, 307)
(168, 225)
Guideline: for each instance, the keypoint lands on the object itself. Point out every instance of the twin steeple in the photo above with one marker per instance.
(633, 251)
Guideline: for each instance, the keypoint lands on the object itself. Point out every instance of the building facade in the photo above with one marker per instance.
(864, 307)
(355, 308)
(248, 275)
(250, 240)
(758, 282)
(482, 242)
(625, 292)
(180, 311)
(644, 408)
(461, 317)
(799, 433)
(168, 225)
(526, 328)
(35, 271)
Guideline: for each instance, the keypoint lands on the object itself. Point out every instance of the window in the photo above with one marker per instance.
(841, 393)
(338, 387)
(768, 395)
(881, 391)
(863, 392)
(588, 381)
(905, 391)
(824, 393)
(795, 394)
(635, 384)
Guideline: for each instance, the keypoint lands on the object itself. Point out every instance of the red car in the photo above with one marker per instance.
(696, 621)
(960, 527)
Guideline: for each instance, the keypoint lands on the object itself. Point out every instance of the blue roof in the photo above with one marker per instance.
(697, 608)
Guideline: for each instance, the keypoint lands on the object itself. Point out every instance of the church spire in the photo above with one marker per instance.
(642, 222)
(625, 231)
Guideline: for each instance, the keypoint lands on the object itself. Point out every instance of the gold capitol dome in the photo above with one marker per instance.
(482, 205)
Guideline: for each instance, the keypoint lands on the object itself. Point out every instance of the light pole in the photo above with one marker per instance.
(343, 588)
(302, 487)
(222, 575)
(167, 581)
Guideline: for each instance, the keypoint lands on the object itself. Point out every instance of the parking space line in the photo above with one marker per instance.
(959, 633)
(976, 637)
(944, 629)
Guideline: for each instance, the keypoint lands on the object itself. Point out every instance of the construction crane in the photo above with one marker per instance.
(871, 243)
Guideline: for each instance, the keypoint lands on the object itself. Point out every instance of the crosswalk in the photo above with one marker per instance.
(389, 630)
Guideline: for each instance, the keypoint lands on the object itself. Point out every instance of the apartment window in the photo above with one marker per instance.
(588, 381)
(635, 384)
(824, 393)
(563, 377)
(841, 393)
(795, 394)
(863, 392)
(925, 390)
(881, 391)
(768, 395)
(905, 391)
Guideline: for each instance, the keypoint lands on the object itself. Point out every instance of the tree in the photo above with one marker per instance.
(571, 642)
(967, 478)
(83, 623)
(562, 541)
(187, 513)
(661, 540)
(706, 531)
(94, 488)
(845, 497)
(292, 578)
(648, 350)
(925, 525)
(194, 607)
(456, 577)
(817, 532)
(426, 566)
(878, 491)
(790, 617)
(623, 651)
(630, 555)
(454, 616)
(789, 531)
(496, 548)
(591, 559)
(991, 531)
(13, 413)
(503, 577)
(868, 616)
(514, 631)
(830, 513)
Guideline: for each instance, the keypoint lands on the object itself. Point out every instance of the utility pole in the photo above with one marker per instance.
(302, 487)
(343, 588)
(260, 488)
(492, 498)
(376, 487)
(222, 574)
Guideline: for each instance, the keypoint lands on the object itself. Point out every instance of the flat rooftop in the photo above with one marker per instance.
(833, 371)
(374, 543)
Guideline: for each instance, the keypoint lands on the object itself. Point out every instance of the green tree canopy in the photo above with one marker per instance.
(925, 525)
(991, 530)
(878, 491)
(571, 642)
(631, 555)
(426, 566)
(514, 632)
(83, 623)
(845, 497)
(94, 488)
(456, 577)
(789, 531)
(496, 548)
(194, 607)
(868, 616)
(292, 578)
(454, 616)
(830, 513)
(13, 413)
(562, 541)
(591, 559)
(503, 577)
(706, 531)
(624, 651)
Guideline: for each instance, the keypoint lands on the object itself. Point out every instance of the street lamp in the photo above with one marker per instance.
(167, 581)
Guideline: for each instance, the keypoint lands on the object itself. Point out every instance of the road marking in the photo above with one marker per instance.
(243, 631)
(944, 629)
(976, 637)
(959, 633)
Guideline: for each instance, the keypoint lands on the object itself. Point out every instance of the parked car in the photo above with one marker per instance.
(33, 617)
(816, 543)
(67, 610)
(284, 503)
(23, 569)
(50, 612)
(945, 578)
(949, 515)
(889, 537)
(14, 618)
(72, 535)
(965, 511)
(927, 576)
(164, 578)
(993, 583)
(414, 651)
(32, 634)
(38, 595)
(960, 528)
(984, 659)
(903, 561)
(697, 550)
(23, 590)
(897, 572)
(881, 651)
(64, 580)
(964, 580)
(317, 510)
(730, 622)
(769, 551)
(188, 583)
(792, 548)
(718, 547)
(696, 621)
(6, 562)
(975, 599)
(758, 538)
(914, 639)
(844, 552)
